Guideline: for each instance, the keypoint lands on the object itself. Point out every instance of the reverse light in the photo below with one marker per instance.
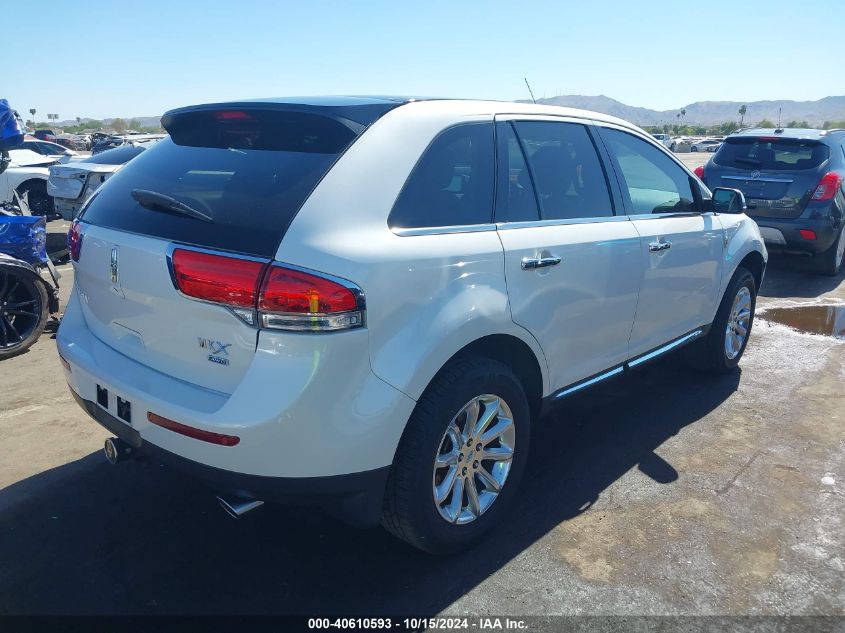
(190, 431)
(807, 234)
(74, 240)
(828, 186)
(699, 171)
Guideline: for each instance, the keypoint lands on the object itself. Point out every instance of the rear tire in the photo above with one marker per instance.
(23, 310)
(830, 261)
(412, 511)
(721, 350)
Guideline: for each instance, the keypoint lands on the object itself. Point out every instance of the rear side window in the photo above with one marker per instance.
(249, 170)
(652, 182)
(452, 184)
(771, 154)
(565, 168)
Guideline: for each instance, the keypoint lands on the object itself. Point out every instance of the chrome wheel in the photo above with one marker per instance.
(474, 459)
(738, 323)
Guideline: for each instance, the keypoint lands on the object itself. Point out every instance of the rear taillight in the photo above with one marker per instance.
(828, 186)
(228, 280)
(807, 234)
(293, 299)
(271, 296)
(74, 240)
(699, 171)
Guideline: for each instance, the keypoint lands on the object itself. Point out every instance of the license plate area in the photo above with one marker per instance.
(124, 407)
(124, 410)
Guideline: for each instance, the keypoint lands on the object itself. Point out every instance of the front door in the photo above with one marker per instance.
(681, 248)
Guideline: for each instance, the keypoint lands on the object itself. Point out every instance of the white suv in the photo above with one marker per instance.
(362, 303)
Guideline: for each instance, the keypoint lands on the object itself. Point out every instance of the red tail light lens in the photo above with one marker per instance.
(807, 234)
(285, 298)
(217, 278)
(190, 431)
(828, 186)
(699, 171)
(293, 299)
(288, 290)
(74, 240)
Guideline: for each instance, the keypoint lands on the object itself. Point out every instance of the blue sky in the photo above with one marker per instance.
(103, 58)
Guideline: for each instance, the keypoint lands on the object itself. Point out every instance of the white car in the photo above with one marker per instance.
(663, 139)
(343, 302)
(26, 174)
(705, 145)
(72, 184)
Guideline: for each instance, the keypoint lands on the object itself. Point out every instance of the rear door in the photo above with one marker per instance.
(680, 247)
(249, 170)
(572, 258)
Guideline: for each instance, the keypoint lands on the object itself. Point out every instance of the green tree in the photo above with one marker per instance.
(118, 125)
(742, 110)
(766, 123)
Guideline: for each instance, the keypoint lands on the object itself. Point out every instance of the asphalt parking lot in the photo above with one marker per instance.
(665, 492)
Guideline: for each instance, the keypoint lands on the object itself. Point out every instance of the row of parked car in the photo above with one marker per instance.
(56, 180)
(690, 143)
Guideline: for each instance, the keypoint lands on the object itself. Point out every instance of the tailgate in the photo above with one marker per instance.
(139, 312)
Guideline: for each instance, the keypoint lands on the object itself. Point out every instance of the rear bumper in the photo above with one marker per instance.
(784, 234)
(307, 406)
(356, 497)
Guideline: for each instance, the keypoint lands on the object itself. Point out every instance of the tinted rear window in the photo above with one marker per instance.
(251, 171)
(766, 154)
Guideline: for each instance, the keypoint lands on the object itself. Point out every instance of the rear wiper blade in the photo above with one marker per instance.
(160, 202)
(748, 161)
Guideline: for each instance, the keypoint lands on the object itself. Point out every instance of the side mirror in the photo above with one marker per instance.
(728, 200)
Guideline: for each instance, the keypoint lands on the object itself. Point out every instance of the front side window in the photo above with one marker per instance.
(651, 181)
(452, 184)
(567, 174)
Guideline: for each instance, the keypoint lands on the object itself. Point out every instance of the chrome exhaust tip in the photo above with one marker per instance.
(236, 507)
(116, 450)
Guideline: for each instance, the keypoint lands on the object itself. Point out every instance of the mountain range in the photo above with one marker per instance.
(698, 113)
(710, 112)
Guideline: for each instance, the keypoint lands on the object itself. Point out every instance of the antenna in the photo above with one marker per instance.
(531, 92)
(780, 112)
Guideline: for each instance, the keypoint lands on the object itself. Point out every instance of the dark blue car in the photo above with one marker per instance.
(793, 184)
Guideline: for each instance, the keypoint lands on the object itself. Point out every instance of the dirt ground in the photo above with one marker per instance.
(665, 492)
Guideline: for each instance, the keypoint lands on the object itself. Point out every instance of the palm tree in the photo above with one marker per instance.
(78, 120)
(742, 110)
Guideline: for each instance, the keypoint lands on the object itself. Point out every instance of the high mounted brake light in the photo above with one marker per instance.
(269, 295)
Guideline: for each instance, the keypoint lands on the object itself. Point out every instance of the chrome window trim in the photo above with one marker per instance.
(749, 179)
(527, 224)
(444, 230)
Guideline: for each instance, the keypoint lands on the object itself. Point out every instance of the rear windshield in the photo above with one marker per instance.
(249, 170)
(780, 154)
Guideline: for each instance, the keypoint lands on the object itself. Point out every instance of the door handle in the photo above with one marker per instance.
(543, 262)
(656, 247)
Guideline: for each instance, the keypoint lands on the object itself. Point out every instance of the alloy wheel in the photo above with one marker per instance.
(20, 309)
(474, 459)
(738, 323)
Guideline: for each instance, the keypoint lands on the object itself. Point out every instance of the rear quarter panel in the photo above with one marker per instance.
(427, 295)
